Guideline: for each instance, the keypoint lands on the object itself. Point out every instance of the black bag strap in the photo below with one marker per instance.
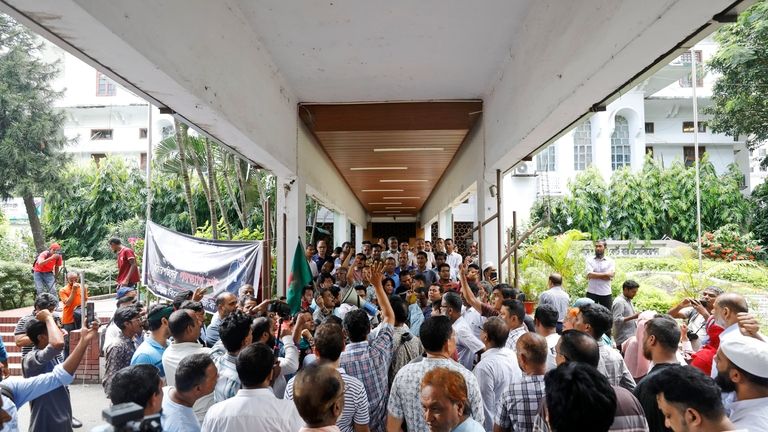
(6, 391)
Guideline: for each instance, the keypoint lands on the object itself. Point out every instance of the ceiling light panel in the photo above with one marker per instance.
(408, 149)
(403, 181)
(382, 190)
(381, 168)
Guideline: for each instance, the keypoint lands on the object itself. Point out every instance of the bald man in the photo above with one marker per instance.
(318, 392)
(727, 308)
(226, 303)
(518, 405)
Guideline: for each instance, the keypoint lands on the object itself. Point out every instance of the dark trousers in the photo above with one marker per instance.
(605, 300)
(559, 327)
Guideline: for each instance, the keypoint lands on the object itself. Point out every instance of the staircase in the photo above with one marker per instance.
(8, 320)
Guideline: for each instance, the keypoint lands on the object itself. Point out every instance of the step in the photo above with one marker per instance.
(15, 369)
(8, 338)
(7, 327)
(14, 358)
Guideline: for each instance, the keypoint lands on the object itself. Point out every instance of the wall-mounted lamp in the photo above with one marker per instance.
(492, 190)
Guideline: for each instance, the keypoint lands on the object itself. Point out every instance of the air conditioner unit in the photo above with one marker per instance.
(525, 169)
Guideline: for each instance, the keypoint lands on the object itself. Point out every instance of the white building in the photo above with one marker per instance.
(103, 118)
(655, 117)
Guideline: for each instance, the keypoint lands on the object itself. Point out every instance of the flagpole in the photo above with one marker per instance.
(696, 157)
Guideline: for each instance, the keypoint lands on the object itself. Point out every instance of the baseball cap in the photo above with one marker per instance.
(123, 291)
(55, 246)
(747, 353)
(487, 265)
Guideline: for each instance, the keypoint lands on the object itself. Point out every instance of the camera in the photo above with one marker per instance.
(281, 309)
(692, 336)
(128, 417)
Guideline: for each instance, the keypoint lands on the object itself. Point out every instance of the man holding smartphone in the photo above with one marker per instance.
(46, 269)
(71, 296)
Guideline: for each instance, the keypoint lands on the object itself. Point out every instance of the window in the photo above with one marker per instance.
(649, 128)
(142, 133)
(689, 155)
(685, 59)
(166, 131)
(545, 161)
(97, 157)
(101, 134)
(649, 150)
(143, 161)
(621, 151)
(688, 127)
(582, 146)
(104, 85)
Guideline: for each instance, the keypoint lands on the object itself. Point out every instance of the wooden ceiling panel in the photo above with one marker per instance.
(419, 139)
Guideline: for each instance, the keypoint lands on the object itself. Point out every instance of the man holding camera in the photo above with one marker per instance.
(696, 312)
(46, 269)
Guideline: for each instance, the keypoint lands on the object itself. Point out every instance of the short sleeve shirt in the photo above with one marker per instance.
(49, 266)
(68, 311)
(599, 265)
(125, 273)
(51, 411)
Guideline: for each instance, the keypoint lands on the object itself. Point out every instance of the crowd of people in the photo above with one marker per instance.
(429, 341)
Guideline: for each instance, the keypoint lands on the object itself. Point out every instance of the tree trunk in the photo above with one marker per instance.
(243, 183)
(34, 221)
(231, 192)
(211, 196)
(181, 137)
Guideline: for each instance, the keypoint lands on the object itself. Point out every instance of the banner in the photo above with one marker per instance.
(175, 262)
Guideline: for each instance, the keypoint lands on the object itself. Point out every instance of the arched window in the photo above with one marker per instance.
(582, 146)
(621, 151)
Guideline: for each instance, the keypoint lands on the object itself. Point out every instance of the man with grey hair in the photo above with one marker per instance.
(226, 303)
(497, 368)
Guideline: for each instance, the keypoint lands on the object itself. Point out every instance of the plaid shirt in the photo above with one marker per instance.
(613, 367)
(517, 408)
(514, 335)
(369, 362)
(118, 356)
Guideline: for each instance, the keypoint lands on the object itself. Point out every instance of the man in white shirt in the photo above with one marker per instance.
(467, 344)
(557, 297)
(195, 377)
(254, 407)
(185, 329)
(452, 257)
(742, 367)
(600, 271)
(545, 322)
(497, 368)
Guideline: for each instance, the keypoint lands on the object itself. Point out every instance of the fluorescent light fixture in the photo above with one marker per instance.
(393, 208)
(403, 181)
(385, 203)
(405, 149)
(399, 198)
(387, 211)
(382, 168)
(382, 190)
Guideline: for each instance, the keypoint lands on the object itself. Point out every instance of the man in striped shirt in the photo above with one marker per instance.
(329, 343)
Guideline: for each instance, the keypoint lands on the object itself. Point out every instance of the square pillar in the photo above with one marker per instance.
(445, 223)
(341, 231)
(427, 232)
(291, 225)
(486, 207)
(358, 237)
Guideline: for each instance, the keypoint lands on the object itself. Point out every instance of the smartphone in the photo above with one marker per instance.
(494, 275)
(90, 314)
(209, 290)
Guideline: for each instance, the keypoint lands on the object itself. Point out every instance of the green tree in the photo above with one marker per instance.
(587, 203)
(739, 104)
(30, 127)
(759, 205)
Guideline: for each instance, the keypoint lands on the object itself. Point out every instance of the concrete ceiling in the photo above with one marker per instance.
(351, 50)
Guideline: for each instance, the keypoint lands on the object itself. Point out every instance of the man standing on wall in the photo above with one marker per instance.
(600, 272)
(46, 269)
(127, 271)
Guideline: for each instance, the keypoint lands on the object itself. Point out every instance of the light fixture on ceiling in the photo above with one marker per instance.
(400, 198)
(406, 149)
(381, 168)
(384, 203)
(382, 190)
(403, 181)
(385, 211)
(403, 208)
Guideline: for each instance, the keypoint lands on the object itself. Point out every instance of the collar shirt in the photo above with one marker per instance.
(730, 331)
(150, 352)
(514, 335)
(750, 414)
(467, 344)
(171, 359)
(176, 417)
(469, 425)
(369, 362)
(228, 382)
(630, 416)
(118, 356)
(495, 372)
(518, 405)
(404, 351)
(551, 352)
(559, 299)
(355, 410)
(613, 367)
(415, 318)
(404, 402)
(599, 265)
(25, 390)
(473, 319)
(253, 410)
(623, 330)
(454, 260)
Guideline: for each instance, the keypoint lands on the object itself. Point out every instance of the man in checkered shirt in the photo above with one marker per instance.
(517, 408)
(369, 362)
(439, 342)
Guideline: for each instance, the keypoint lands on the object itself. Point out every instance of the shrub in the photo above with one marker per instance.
(17, 288)
(728, 243)
(652, 298)
(100, 275)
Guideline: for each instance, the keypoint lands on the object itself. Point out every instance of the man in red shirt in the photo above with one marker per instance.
(127, 272)
(46, 269)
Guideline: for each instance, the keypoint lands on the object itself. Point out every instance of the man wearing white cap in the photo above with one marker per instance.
(489, 272)
(742, 366)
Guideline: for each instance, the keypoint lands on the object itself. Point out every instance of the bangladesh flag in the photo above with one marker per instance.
(300, 277)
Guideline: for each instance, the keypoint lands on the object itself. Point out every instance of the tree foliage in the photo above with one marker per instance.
(587, 203)
(739, 106)
(759, 203)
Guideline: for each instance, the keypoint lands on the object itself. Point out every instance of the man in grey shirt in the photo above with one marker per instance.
(52, 411)
(624, 315)
(557, 297)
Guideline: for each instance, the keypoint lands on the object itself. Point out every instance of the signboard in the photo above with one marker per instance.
(15, 212)
(175, 262)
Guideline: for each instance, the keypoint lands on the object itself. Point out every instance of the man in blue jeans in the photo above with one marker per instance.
(46, 268)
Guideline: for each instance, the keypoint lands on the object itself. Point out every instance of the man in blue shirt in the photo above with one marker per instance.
(17, 391)
(151, 350)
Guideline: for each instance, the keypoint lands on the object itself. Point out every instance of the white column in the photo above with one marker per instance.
(427, 232)
(358, 238)
(291, 196)
(601, 147)
(341, 231)
(445, 223)
(486, 207)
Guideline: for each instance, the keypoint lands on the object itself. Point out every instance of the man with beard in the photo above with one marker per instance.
(696, 313)
(742, 367)
(600, 271)
(726, 311)
(662, 336)
(263, 331)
